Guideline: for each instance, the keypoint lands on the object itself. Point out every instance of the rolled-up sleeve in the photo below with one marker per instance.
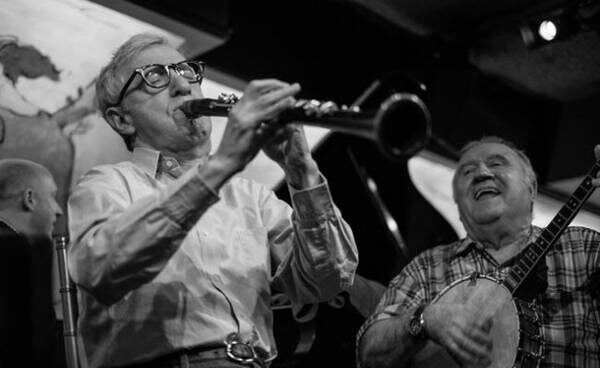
(119, 243)
(315, 254)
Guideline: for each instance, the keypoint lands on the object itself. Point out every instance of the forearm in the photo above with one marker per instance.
(386, 343)
(323, 256)
(117, 256)
(121, 245)
(302, 176)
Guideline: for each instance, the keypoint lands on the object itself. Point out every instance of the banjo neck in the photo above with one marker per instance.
(538, 249)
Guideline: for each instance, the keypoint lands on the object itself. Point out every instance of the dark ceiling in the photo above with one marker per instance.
(481, 78)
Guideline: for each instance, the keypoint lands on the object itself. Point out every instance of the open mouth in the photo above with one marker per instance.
(485, 192)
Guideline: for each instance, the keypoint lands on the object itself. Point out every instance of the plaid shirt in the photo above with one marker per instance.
(570, 305)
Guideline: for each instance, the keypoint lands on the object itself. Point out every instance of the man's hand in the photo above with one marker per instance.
(465, 337)
(262, 101)
(290, 150)
(596, 181)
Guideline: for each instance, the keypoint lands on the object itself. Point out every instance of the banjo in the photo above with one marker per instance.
(516, 332)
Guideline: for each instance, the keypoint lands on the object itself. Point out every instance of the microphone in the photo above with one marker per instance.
(205, 107)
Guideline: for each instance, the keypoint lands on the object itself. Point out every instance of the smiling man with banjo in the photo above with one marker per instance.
(509, 294)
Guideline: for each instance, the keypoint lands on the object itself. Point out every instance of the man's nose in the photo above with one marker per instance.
(483, 172)
(179, 85)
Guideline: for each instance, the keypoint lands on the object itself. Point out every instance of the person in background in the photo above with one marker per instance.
(28, 212)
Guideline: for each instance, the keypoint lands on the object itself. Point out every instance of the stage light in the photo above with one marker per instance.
(552, 27)
(544, 31)
(547, 30)
(540, 32)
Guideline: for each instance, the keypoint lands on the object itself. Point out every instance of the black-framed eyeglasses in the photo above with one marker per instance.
(159, 75)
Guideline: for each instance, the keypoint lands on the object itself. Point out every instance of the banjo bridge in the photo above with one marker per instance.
(473, 278)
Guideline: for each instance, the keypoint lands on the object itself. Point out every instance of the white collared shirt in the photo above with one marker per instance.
(147, 249)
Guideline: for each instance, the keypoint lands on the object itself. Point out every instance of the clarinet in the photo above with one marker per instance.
(400, 125)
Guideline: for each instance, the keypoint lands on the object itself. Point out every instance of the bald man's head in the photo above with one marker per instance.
(16, 175)
(28, 197)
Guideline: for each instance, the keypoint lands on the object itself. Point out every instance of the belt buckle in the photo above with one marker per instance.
(239, 351)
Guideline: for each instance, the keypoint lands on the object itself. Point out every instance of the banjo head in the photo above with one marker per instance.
(487, 298)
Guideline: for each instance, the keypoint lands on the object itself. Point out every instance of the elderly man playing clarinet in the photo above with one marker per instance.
(174, 256)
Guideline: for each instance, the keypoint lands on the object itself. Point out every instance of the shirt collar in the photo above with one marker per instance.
(466, 244)
(147, 159)
(463, 245)
(155, 163)
(8, 225)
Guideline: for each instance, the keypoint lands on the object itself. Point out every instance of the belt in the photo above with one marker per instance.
(237, 352)
(203, 354)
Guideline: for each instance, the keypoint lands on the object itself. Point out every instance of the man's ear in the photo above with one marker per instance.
(119, 120)
(28, 200)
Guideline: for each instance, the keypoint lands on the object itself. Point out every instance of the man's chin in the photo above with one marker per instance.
(486, 216)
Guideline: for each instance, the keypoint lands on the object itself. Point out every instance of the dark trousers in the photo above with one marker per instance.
(28, 330)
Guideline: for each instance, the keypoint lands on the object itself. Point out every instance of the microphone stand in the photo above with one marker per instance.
(67, 293)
